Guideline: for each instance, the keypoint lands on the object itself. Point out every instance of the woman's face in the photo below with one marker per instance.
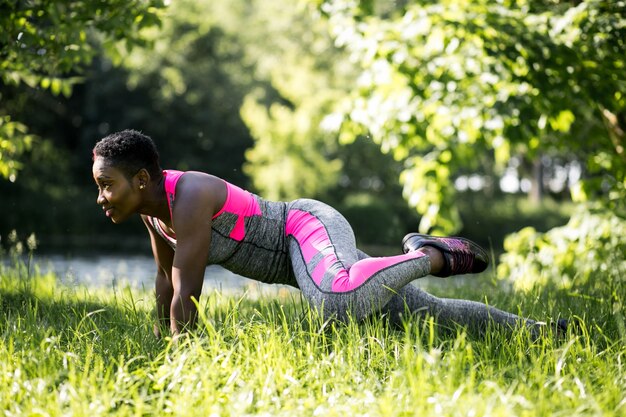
(119, 197)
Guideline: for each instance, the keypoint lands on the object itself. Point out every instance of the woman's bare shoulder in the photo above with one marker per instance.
(202, 188)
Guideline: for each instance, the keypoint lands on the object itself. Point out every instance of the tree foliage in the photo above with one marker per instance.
(591, 243)
(244, 89)
(194, 79)
(186, 89)
(280, 75)
(292, 155)
(45, 44)
(456, 85)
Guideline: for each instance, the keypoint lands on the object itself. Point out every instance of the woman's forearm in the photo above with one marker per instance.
(164, 293)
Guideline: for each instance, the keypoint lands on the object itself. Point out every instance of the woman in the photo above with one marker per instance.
(195, 219)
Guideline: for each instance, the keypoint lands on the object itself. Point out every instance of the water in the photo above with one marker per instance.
(138, 272)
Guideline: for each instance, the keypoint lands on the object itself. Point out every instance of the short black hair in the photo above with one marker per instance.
(129, 151)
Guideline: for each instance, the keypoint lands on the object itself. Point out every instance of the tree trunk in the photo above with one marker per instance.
(536, 187)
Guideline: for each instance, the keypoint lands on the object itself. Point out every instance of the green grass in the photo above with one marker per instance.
(85, 352)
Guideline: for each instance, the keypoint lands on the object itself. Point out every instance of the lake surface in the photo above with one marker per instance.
(139, 272)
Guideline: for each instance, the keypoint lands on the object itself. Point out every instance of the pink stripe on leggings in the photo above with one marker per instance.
(313, 238)
(364, 269)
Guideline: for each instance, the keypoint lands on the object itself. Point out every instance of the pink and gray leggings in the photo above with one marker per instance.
(338, 279)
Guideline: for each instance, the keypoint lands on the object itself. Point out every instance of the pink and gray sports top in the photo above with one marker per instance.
(248, 234)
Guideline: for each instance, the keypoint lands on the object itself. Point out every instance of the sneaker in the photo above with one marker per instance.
(557, 329)
(461, 256)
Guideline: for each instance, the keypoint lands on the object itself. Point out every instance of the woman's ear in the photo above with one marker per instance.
(142, 178)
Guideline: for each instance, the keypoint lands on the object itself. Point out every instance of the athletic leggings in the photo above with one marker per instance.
(340, 280)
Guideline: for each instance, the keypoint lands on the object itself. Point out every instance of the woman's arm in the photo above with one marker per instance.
(163, 256)
(198, 197)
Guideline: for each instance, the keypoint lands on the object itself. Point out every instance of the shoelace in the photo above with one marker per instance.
(461, 258)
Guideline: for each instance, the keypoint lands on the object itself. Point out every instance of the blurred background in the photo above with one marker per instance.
(486, 118)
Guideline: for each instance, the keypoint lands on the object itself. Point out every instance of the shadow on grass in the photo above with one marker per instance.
(29, 319)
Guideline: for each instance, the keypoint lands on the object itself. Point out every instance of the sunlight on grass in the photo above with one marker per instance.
(82, 352)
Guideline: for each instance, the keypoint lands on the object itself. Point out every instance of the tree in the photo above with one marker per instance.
(457, 85)
(193, 82)
(186, 89)
(45, 44)
(293, 156)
